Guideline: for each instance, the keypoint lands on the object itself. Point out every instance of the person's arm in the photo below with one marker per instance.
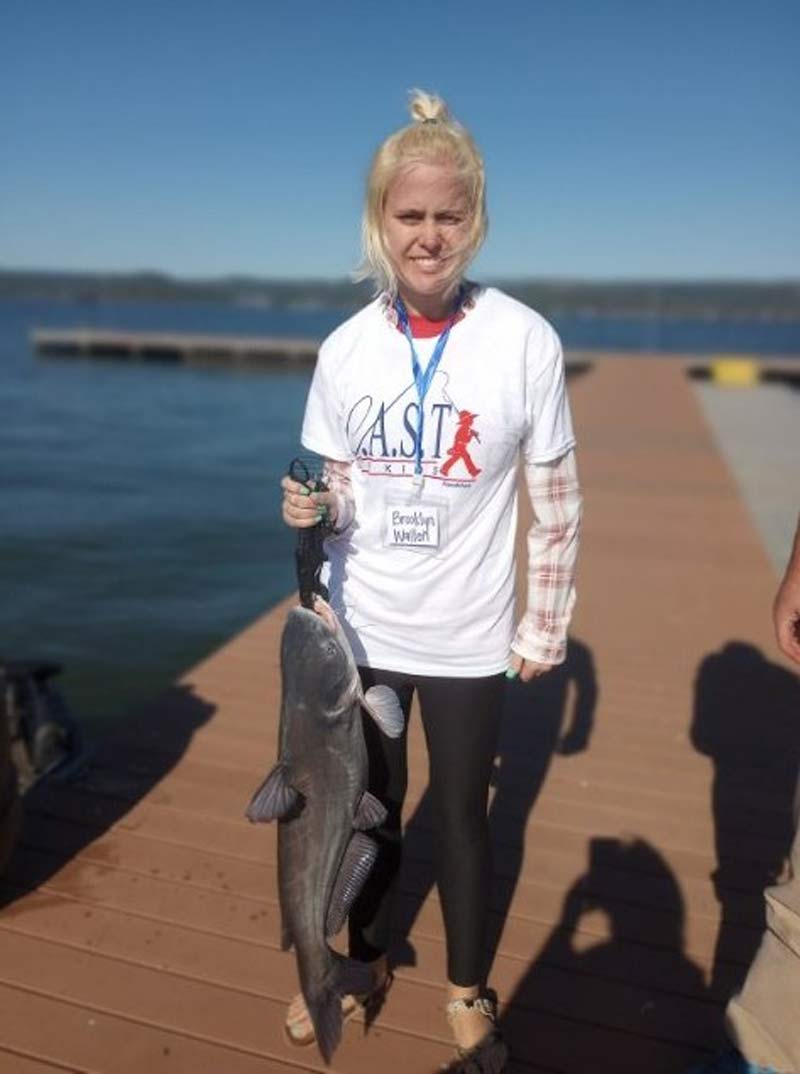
(786, 609)
(541, 638)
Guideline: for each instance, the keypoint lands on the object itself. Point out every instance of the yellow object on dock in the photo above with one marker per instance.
(735, 372)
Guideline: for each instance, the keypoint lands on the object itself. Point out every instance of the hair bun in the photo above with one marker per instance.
(427, 108)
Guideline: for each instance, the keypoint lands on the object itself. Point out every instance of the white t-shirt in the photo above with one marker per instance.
(424, 579)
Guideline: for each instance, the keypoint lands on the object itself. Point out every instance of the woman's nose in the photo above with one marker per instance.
(429, 234)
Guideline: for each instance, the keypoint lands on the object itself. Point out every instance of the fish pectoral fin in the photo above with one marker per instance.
(357, 861)
(275, 798)
(383, 705)
(370, 812)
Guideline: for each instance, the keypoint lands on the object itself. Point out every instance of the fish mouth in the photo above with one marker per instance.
(326, 613)
(319, 610)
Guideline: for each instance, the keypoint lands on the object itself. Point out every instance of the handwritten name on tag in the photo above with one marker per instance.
(412, 527)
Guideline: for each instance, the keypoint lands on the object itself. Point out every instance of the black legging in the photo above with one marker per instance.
(461, 720)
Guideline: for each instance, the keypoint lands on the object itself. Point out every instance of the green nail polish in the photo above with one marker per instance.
(511, 674)
(305, 491)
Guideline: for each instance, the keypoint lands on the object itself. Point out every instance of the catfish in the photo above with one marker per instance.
(318, 793)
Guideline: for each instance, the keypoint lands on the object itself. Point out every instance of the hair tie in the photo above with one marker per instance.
(431, 119)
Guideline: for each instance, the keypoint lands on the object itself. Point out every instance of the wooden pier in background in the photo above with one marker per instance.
(199, 349)
(173, 347)
(640, 803)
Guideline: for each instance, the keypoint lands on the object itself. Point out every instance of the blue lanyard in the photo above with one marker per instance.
(423, 379)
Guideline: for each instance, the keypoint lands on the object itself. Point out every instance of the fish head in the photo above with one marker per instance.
(319, 671)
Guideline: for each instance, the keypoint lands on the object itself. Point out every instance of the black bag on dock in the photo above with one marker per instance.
(39, 727)
(10, 808)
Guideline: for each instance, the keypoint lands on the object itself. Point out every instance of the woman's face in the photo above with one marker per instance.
(426, 223)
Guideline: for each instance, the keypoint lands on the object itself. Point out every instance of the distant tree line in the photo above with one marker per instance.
(644, 298)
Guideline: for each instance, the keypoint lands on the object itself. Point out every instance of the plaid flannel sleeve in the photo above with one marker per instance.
(552, 551)
(336, 476)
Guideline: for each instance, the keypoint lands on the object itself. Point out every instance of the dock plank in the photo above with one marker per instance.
(95, 1042)
(230, 838)
(16, 1063)
(677, 1009)
(217, 870)
(252, 918)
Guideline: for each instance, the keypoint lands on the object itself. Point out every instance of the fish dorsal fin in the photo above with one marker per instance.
(370, 812)
(275, 798)
(383, 705)
(357, 861)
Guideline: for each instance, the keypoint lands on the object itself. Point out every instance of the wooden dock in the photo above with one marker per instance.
(641, 802)
(172, 347)
(195, 349)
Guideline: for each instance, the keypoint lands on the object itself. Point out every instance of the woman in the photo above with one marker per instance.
(420, 404)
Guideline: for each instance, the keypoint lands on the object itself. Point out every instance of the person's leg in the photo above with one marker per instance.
(461, 718)
(763, 1020)
(369, 920)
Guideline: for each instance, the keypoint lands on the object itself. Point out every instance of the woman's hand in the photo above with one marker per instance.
(525, 669)
(786, 611)
(302, 508)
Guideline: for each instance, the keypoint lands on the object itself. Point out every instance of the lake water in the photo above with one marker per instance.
(140, 524)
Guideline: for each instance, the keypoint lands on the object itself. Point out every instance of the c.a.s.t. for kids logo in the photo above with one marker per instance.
(384, 436)
(459, 450)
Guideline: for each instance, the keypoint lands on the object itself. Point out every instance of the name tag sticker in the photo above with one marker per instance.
(412, 525)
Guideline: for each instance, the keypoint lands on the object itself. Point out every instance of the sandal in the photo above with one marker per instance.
(490, 1054)
(298, 1028)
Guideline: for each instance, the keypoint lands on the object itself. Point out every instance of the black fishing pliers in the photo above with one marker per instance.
(310, 552)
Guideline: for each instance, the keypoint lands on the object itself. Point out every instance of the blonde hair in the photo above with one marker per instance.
(433, 137)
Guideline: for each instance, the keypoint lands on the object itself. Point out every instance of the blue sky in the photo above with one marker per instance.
(622, 138)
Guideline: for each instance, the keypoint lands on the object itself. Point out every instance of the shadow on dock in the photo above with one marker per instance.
(62, 818)
(747, 721)
(637, 987)
(645, 997)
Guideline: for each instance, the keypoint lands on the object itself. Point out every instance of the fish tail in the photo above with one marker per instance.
(325, 1011)
(347, 977)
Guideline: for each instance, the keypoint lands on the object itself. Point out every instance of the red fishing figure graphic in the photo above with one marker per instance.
(464, 433)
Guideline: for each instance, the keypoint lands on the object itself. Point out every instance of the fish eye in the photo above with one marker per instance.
(331, 652)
